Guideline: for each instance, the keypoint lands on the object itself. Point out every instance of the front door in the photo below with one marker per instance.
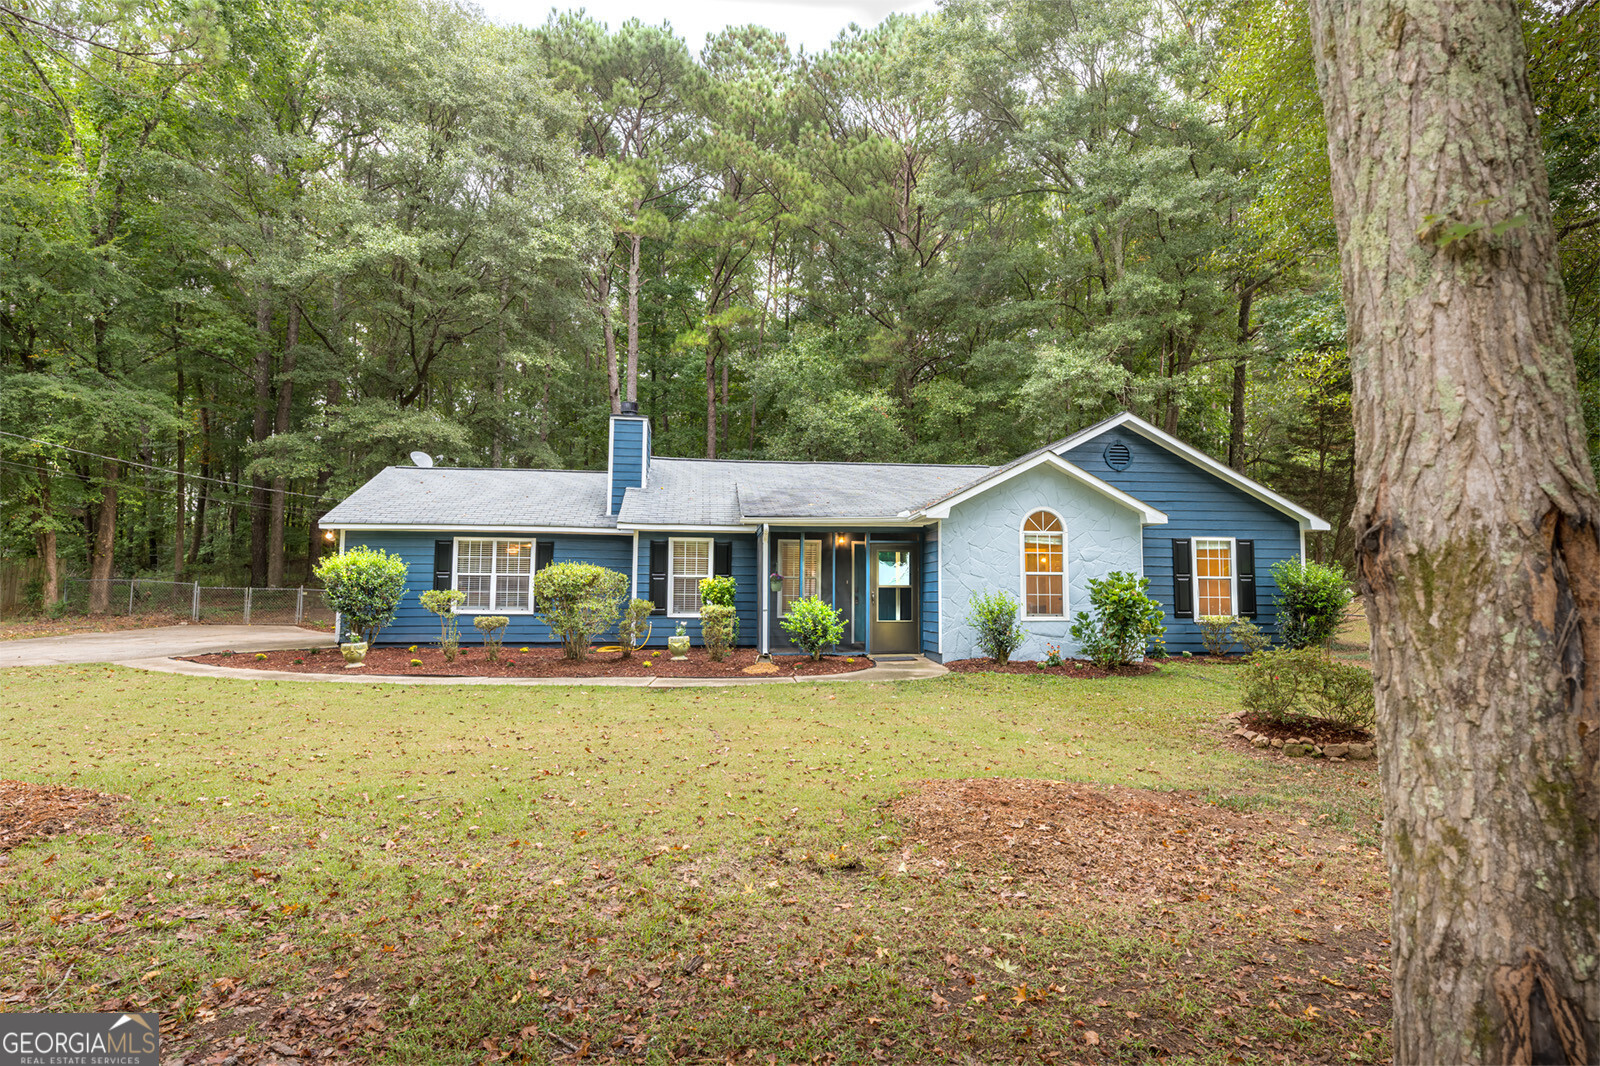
(894, 599)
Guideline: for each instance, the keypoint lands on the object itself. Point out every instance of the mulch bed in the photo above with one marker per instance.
(538, 662)
(1070, 668)
(1317, 730)
(29, 811)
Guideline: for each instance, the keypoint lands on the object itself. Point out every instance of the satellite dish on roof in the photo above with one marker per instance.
(422, 459)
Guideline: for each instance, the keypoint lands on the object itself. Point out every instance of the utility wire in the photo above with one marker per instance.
(170, 493)
(148, 466)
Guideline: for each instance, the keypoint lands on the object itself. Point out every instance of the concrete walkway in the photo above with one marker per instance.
(908, 670)
(127, 645)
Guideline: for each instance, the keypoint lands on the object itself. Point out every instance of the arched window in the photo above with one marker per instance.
(1044, 566)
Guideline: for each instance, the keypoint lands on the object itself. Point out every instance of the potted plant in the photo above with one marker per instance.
(775, 581)
(678, 643)
(354, 651)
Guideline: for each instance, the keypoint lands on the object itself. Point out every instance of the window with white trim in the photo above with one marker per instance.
(801, 571)
(1213, 578)
(496, 575)
(1044, 566)
(689, 560)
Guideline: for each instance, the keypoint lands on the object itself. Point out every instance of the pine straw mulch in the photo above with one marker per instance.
(1094, 840)
(1070, 668)
(537, 662)
(29, 811)
(1317, 730)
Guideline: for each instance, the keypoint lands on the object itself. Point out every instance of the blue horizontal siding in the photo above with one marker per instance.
(930, 593)
(744, 590)
(1197, 504)
(414, 624)
(629, 454)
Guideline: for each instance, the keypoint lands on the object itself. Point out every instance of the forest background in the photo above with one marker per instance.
(252, 252)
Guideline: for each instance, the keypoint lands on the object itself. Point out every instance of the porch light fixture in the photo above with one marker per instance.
(328, 536)
(844, 538)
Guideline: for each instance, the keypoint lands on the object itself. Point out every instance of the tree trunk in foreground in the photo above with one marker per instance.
(1476, 519)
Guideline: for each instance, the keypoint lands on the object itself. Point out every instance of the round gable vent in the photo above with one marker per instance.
(1118, 456)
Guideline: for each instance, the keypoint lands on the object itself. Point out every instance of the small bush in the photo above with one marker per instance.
(720, 592)
(261, 657)
(492, 626)
(994, 616)
(633, 632)
(1052, 655)
(718, 623)
(1251, 636)
(1311, 601)
(443, 602)
(416, 662)
(33, 596)
(579, 601)
(365, 587)
(1124, 623)
(813, 625)
(1215, 632)
(1306, 683)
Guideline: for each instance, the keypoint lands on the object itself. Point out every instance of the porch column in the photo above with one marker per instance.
(872, 608)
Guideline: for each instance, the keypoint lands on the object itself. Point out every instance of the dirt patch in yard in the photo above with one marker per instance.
(29, 811)
(1317, 730)
(537, 662)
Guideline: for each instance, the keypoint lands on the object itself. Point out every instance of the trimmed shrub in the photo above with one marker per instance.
(1295, 683)
(718, 624)
(443, 602)
(365, 587)
(1252, 636)
(633, 632)
(1215, 632)
(813, 625)
(492, 626)
(1311, 601)
(578, 601)
(994, 616)
(1124, 623)
(719, 592)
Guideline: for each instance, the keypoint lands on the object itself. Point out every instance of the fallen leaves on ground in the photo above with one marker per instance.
(29, 811)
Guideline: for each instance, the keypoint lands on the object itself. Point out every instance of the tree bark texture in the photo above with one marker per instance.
(1476, 520)
(105, 540)
(46, 536)
(260, 428)
(280, 483)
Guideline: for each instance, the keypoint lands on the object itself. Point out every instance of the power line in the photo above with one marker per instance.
(148, 466)
(169, 492)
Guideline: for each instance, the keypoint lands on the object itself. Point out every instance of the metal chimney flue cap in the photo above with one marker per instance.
(630, 407)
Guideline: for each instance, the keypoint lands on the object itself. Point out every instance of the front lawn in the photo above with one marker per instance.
(793, 873)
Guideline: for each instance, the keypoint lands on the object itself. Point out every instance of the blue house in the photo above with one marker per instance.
(898, 548)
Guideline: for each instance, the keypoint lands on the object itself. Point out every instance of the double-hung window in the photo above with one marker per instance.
(1213, 577)
(495, 575)
(1044, 566)
(690, 561)
(801, 571)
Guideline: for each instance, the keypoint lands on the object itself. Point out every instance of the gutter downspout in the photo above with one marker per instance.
(764, 598)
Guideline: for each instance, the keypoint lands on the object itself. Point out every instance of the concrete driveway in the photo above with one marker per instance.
(160, 642)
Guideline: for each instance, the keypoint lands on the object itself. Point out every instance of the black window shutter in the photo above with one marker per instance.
(1247, 577)
(544, 553)
(658, 576)
(1182, 579)
(443, 550)
(722, 559)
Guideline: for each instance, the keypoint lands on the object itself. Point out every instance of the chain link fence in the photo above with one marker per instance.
(217, 605)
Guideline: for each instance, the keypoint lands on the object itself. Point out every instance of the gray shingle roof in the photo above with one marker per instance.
(441, 497)
(722, 492)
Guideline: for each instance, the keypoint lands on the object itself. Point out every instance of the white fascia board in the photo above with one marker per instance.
(627, 527)
(1308, 521)
(1148, 515)
(411, 527)
(907, 521)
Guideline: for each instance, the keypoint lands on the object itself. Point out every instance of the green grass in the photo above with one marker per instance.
(537, 870)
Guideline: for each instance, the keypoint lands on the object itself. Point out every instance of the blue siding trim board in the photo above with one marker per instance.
(1197, 504)
(930, 593)
(745, 566)
(415, 625)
